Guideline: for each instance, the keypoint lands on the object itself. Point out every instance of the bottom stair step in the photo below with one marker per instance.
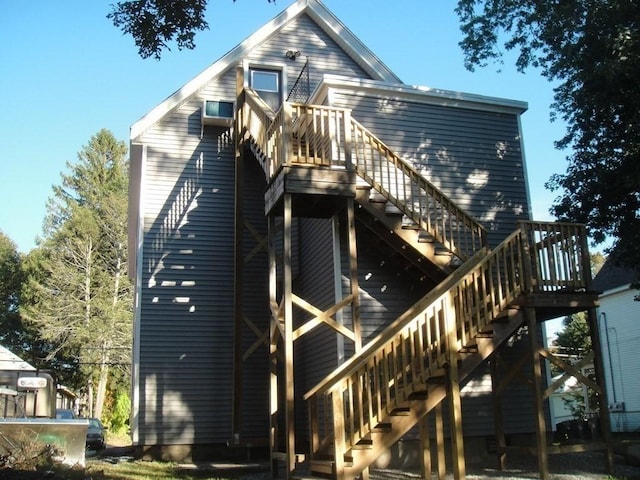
(323, 468)
(282, 457)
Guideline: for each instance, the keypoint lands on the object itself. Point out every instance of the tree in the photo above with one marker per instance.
(79, 298)
(153, 24)
(573, 342)
(11, 329)
(592, 49)
(575, 337)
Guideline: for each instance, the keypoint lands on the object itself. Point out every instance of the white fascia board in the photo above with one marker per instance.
(421, 94)
(616, 290)
(316, 11)
(357, 50)
(228, 60)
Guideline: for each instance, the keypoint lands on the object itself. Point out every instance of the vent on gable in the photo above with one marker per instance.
(217, 112)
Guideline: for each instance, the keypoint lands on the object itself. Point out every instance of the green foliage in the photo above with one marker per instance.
(574, 343)
(153, 24)
(592, 50)
(117, 417)
(11, 329)
(575, 337)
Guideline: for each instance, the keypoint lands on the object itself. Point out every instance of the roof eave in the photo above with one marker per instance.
(423, 94)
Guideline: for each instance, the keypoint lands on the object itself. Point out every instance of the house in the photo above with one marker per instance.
(618, 318)
(325, 258)
(25, 391)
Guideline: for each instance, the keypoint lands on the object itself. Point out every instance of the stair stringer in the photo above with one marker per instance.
(385, 223)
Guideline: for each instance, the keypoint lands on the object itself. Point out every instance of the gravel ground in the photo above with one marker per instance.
(574, 466)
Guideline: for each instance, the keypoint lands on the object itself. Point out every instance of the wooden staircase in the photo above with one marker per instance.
(368, 403)
(382, 392)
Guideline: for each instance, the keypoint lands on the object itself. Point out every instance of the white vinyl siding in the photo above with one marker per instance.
(620, 357)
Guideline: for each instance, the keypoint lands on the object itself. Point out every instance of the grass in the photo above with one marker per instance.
(124, 470)
(142, 470)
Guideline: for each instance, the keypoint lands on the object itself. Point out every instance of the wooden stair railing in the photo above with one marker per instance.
(422, 202)
(327, 137)
(355, 400)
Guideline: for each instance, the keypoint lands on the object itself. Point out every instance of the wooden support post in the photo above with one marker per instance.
(238, 289)
(455, 418)
(425, 447)
(441, 459)
(355, 307)
(598, 364)
(339, 439)
(337, 283)
(287, 290)
(453, 394)
(501, 444)
(273, 347)
(353, 274)
(541, 427)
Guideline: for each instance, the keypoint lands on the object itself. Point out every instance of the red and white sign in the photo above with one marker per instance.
(32, 382)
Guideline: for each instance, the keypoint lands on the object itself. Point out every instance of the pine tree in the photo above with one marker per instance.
(80, 299)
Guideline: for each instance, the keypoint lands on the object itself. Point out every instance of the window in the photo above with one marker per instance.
(265, 80)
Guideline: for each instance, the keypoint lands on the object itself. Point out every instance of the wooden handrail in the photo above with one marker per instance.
(399, 361)
(426, 205)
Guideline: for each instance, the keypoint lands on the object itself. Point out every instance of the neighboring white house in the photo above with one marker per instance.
(619, 322)
(10, 361)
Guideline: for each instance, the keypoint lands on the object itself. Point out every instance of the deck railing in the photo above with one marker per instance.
(327, 137)
(559, 256)
(356, 397)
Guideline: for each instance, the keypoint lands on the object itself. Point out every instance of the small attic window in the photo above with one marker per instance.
(218, 112)
(265, 80)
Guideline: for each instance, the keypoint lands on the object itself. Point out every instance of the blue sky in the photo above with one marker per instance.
(67, 73)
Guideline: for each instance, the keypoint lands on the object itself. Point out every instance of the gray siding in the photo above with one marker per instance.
(473, 156)
(187, 296)
(255, 307)
(324, 55)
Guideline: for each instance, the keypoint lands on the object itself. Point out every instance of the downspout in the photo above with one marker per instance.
(606, 335)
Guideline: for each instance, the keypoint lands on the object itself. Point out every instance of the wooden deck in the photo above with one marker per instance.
(318, 192)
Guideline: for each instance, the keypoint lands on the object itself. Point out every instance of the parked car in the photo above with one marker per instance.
(95, 435)
(65, 413)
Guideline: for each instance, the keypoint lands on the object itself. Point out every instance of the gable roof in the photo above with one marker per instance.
(613, 276)
(10, 361)
(326, 20)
